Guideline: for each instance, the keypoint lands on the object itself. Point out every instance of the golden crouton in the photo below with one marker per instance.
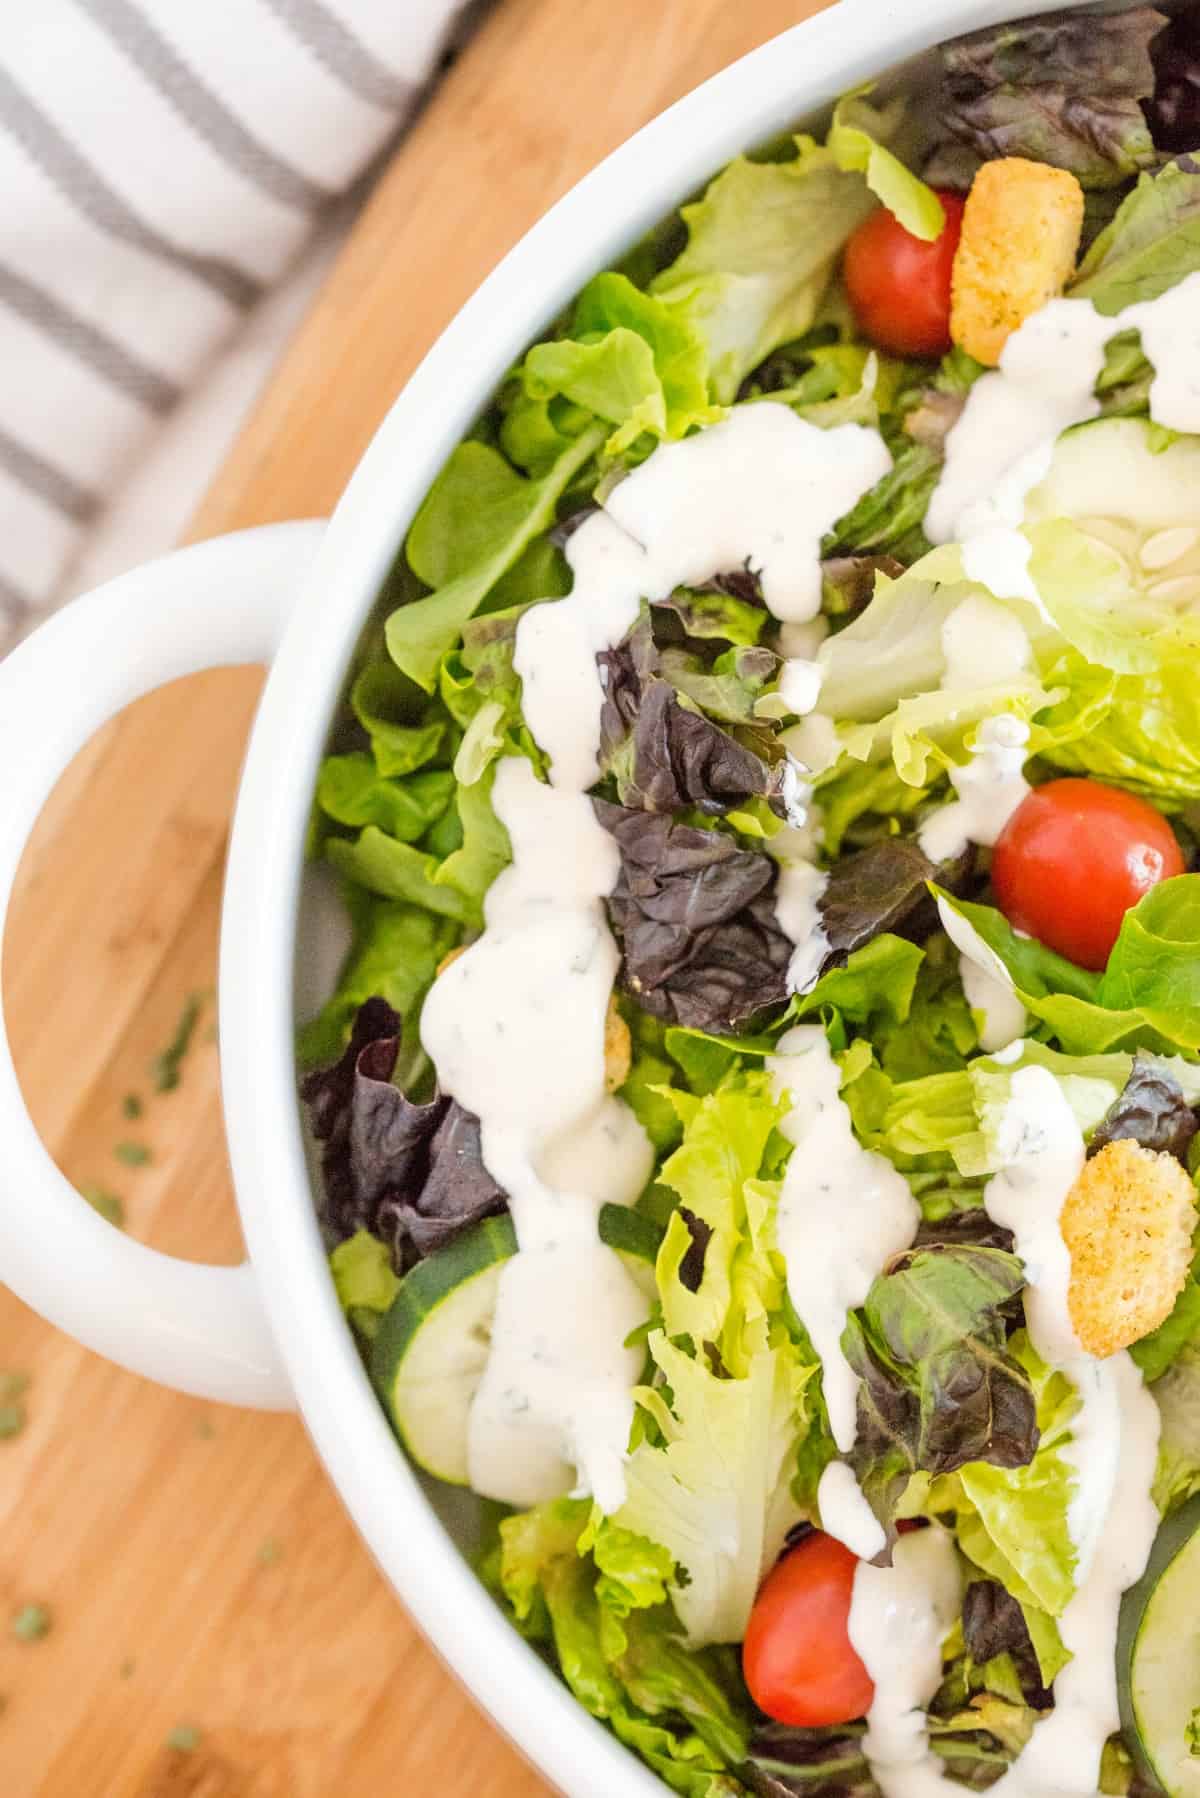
(450, 955)
(618, 1048)
(1127, 1223)
(1020, 238)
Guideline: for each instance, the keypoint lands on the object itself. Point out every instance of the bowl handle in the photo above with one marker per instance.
(201, 1329)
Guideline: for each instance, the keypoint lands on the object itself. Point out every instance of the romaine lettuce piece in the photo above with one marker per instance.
(1012, 1521)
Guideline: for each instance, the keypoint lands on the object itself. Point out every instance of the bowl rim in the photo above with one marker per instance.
(755, 98)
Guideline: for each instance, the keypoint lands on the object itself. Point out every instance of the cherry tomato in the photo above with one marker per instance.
(1073, 858)
(798, 1659)
(899, 285)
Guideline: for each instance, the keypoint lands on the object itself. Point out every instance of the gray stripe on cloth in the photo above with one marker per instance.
(15, 606)
(47, 480)
(97, 351)
(74, 177)
(161, 65)
(330, 41)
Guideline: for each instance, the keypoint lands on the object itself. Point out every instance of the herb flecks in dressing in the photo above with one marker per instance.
(1002, 445)
(899, 1617)
(990, 785)
(843, 1213)
(1114, 1445)
(515, 1026)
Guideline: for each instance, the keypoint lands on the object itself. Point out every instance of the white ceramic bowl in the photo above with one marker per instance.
(270, 1333)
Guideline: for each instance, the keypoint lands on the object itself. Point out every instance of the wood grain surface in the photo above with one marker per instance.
(216, 1627)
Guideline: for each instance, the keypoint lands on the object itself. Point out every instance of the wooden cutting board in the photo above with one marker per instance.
(216, 1627)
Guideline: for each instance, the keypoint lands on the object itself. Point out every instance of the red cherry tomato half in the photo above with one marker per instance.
(799, 1662)
(1073, 858)
(899, 285)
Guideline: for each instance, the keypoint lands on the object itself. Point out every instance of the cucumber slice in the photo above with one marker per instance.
(1112, 469)
(1158, 1658)
(432, 1346)
(636, 1238)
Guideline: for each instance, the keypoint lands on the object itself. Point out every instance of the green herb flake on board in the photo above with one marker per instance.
(131, 1106)
(13, 1387)
(31, 1623)
(184, 1738)
(269, 1552)
(132, 1154)
(110, 1207)
(166, 1067)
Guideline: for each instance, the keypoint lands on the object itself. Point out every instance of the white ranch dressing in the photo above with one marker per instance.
(1041, 1151)
(797, 910)
(845, 1513)
(983, 645)
(1000, 1015)
(1117, 1455)
(515, 1026)
(843, 1212)
(986, 983)
(899, 1617)
(761, 488)
(800, 684)
(530, 996)
(990, 787)
(1111, 1518)
(1001, 446)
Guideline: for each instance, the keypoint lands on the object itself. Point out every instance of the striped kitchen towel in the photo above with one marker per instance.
(162, 163)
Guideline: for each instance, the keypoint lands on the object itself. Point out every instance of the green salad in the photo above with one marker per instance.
(759, 1108)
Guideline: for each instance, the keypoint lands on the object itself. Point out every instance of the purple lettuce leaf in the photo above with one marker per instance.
(695, 917)
(1151, 1111)
(938, 1387)
(663, 752)
(410, 1172)
(1066, 89)
(1174, 110)
(884, 887)
(994, 1623)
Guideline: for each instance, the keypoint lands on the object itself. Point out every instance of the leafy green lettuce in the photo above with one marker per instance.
(938, 1386)
(1148, 995)
(1107, 685)
(364, 1280)
(714, 1446)
(617, 1644)
(628, 358)
(394, 955)
(761, 250)
(1012, 1521)
(1177, 1394)
(479, 517)
(854, 143)
(1152, 243)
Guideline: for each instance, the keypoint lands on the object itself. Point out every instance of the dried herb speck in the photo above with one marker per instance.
(31, 1623)
(269, 1552)
(184, 1738)
(131, 1106)
(166, 1066)
(110, 1207)
(133, 1154)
